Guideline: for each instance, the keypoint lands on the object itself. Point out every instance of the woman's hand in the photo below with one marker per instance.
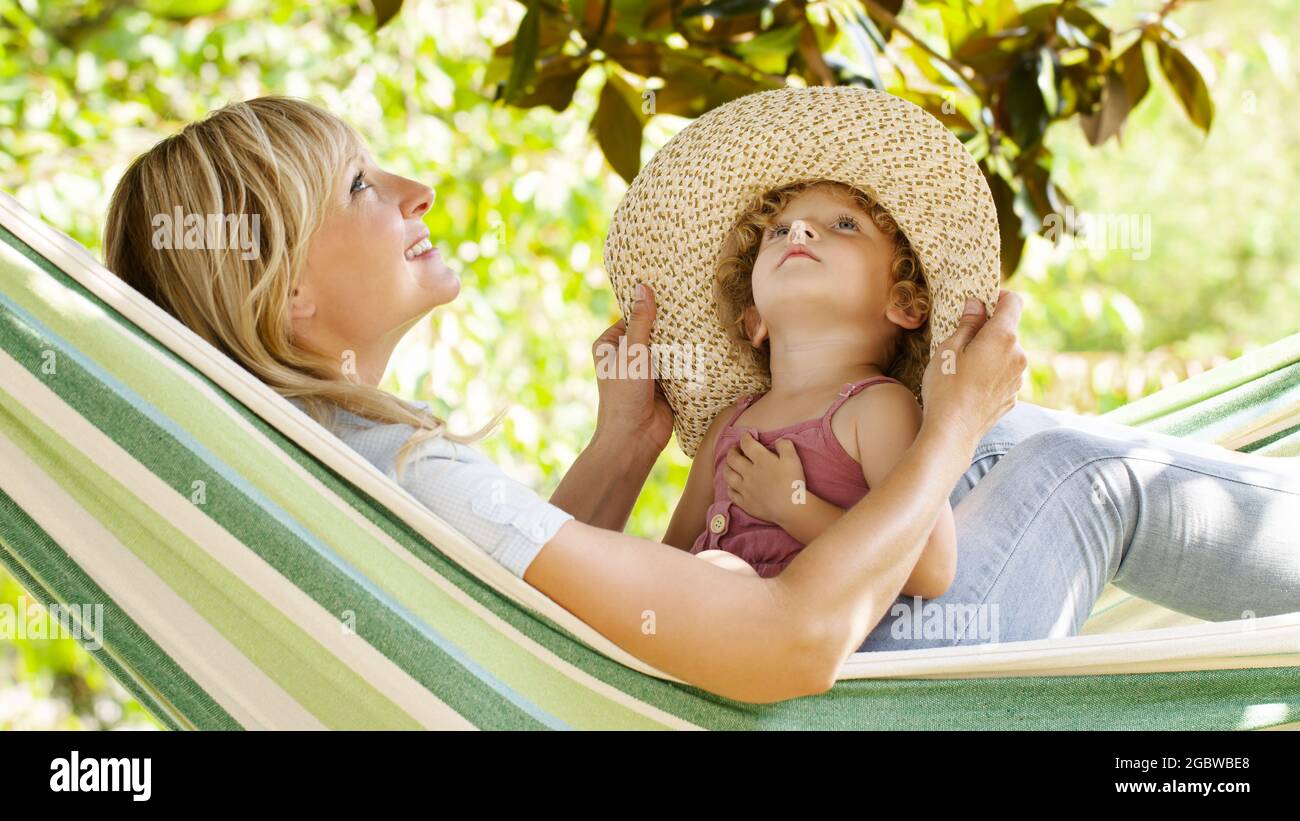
(633, 424)
(763, 483)
(633, 410)
(974, 376)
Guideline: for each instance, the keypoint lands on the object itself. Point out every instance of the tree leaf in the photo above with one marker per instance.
(640, 58)
(524, 66)
(726, 8)
(1025, 111)
(618, 127)
(1087, 24)
(770, 51)
(1108, 120)
(1047, 80)
(385, 10)
(893, 7)
(189, 9)
(1188, 84)
(1013, 244)
(1133, 68)
(556, 82)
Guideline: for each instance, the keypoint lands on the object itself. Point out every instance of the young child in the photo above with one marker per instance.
(821, 288)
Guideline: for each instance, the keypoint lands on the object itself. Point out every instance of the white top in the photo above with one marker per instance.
(505, 518)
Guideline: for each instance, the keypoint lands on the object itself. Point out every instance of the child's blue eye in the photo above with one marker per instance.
(850, 220)
(358, 184)
(776, 231)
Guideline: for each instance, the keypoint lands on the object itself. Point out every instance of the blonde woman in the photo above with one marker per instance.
(345, 267)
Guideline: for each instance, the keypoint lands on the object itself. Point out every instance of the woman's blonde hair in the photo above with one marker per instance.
(733, 280)
(272, 158)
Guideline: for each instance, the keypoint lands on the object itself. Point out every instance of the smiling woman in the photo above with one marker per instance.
(316, 312)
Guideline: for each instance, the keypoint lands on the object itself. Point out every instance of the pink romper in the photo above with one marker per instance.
(830, 472)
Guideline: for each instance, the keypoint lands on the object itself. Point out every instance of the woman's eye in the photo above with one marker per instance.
(359, 183)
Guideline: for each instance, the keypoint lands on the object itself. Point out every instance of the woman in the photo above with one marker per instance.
(345, 269)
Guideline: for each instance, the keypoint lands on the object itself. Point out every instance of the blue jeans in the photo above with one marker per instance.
(1055, 506)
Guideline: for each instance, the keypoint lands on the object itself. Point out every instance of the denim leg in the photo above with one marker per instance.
(1187, 525)
(1022, 421)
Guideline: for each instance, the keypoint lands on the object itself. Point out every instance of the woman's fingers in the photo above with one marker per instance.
(643, 316)
(1007, 316)
(978, 371)
(609, 337)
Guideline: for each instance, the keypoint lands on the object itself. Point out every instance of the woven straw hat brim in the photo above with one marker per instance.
(672, 223)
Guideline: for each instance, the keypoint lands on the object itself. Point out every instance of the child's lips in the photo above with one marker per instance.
(798, 252)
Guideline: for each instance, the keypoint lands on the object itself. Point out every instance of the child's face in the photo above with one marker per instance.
(840, 274)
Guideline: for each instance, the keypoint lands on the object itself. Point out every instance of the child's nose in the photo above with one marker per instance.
(801, 233)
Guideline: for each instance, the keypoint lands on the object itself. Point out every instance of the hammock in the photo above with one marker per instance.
(254, 572)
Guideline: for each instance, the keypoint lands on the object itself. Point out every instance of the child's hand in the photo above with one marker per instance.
(766, 485)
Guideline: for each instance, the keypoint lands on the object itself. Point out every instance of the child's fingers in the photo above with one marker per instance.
(785, 449)
(734, 479)
(753, 448)
(737, 460)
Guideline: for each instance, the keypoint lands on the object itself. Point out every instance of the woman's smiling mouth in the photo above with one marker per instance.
(420, 249)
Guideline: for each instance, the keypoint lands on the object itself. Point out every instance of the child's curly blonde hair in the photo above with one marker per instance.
(733, 289)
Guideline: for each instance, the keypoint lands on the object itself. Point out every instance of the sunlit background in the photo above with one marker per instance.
(524, 198)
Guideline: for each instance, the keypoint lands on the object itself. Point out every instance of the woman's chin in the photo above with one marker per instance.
(435, 281)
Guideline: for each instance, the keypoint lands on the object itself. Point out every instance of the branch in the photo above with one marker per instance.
(962, 69)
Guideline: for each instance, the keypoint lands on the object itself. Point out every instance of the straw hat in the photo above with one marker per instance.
(670, 227)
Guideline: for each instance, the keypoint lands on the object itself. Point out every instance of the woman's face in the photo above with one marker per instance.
(840, 273)
(372, 270)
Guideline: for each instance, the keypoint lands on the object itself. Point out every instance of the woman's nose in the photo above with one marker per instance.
(801, 233)
(419, 198)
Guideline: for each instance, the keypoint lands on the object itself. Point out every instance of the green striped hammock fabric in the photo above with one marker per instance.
(255, 572)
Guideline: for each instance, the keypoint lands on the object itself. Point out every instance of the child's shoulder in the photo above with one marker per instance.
(881, 403)
(886, 412)
(719, 423)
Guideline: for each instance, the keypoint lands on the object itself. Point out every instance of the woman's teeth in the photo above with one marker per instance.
(421, 247)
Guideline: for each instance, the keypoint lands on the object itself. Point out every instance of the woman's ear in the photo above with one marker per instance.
(301, 305)
(755, 327)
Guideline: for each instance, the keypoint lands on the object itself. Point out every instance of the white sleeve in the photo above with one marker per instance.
(505, 518)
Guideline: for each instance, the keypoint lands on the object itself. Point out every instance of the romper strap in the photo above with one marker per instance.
(744, 403)
(852, 388)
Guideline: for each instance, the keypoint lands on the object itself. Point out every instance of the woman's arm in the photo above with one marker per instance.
(633, 424)
(935, 569)
(749, 638)
(762, 640)
(603, 484)
(885, 419)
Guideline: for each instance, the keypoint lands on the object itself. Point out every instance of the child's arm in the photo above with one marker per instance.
(885, 421)
(688, 519)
